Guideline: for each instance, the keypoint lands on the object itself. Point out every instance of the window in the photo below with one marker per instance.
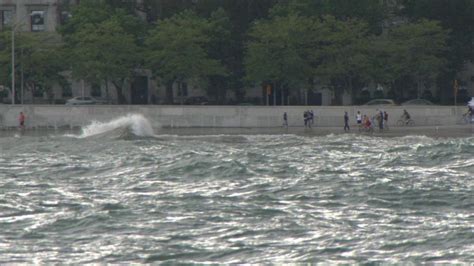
(64, 17)
(37, 20)
(6, 17)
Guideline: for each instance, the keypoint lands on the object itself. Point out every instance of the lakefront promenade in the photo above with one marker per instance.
(431, 120)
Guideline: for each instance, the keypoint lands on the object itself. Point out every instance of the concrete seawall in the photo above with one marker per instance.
(57, 116)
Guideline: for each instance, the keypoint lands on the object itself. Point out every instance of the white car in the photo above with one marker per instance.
(418, 102)
(81, 101)
(381, 102)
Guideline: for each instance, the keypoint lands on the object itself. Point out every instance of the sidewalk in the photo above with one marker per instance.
(430, 131)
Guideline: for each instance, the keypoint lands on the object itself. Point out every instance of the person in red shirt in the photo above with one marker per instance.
(21, 120)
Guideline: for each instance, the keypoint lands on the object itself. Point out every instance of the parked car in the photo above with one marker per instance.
(417, 102)
(381, 102)
(82, 101)
(197, 100)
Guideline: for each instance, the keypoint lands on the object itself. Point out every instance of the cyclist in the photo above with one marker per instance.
(469, 114)
(406, 116)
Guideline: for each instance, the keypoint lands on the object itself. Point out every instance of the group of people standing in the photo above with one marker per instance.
(308, 118)
(380, 119)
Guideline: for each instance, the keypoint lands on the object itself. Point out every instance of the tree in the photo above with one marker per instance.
(103, 45)
(39, 57)
(341, 52)
(421, 53)
(178, 51)
(5, 58)
(457, 16)
(42, 62)
(373, 12)
(387, 63)
(221, 48)
(277, 53)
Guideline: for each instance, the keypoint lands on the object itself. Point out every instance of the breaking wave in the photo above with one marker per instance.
(128, 126)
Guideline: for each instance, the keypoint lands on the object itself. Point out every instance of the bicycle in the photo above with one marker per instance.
(369, 130)
(405, 122)
(465, 119)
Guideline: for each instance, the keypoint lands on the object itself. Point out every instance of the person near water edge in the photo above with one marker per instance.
(346, 122)
(359, 119)
(21, 120)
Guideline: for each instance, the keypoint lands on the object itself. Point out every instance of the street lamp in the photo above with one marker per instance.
(13, 59)
(13, 64)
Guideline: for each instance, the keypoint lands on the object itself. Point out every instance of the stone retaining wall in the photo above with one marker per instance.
(217, 116)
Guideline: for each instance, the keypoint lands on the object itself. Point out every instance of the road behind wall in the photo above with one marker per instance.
(162, 116)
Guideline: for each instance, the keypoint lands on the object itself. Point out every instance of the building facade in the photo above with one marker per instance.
(45, 16)
(34, 15)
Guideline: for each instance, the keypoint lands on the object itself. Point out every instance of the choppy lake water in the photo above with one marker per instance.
(118, 193)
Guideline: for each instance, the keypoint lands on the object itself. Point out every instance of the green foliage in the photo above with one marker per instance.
(278, 51)
(103, 44)
(342, 44)
(294, 49)
(457, 16)
(39, 57)
(423, 44)
(5, 58)
(341, 50)
(413, 51)
(103, 51)
(178, 48)
(42, 59)
(370, 11)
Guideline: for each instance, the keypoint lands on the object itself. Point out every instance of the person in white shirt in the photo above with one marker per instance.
(359, 118)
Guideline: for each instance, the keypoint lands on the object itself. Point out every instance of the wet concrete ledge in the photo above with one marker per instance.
(457, 131)
(162, 116)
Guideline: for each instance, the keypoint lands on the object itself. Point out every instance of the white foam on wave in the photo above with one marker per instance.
(136, 123)
(471, 103)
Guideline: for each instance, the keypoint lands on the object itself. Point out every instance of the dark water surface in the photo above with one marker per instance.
(118, 194)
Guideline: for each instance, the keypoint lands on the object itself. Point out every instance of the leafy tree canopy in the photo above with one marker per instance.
(103, 44)
(178, 48)
(278, 51)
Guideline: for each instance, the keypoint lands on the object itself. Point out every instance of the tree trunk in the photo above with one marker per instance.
(120, 97)
(351, 89)
(107, 96)
(169, 92)
(282, 96)
(419, 82)
(274, 90)
(180, 92)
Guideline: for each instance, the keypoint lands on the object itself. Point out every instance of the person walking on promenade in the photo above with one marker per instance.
(346, 122)
(21, 120)
(285, 119)
(359, 119)
(311, 117)
(385, 119)
(379, 118)
(405, 116)
(469, 114)
(307, 118)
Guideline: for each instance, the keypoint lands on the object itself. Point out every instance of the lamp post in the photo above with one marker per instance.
(14, 25)
(13, 65)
